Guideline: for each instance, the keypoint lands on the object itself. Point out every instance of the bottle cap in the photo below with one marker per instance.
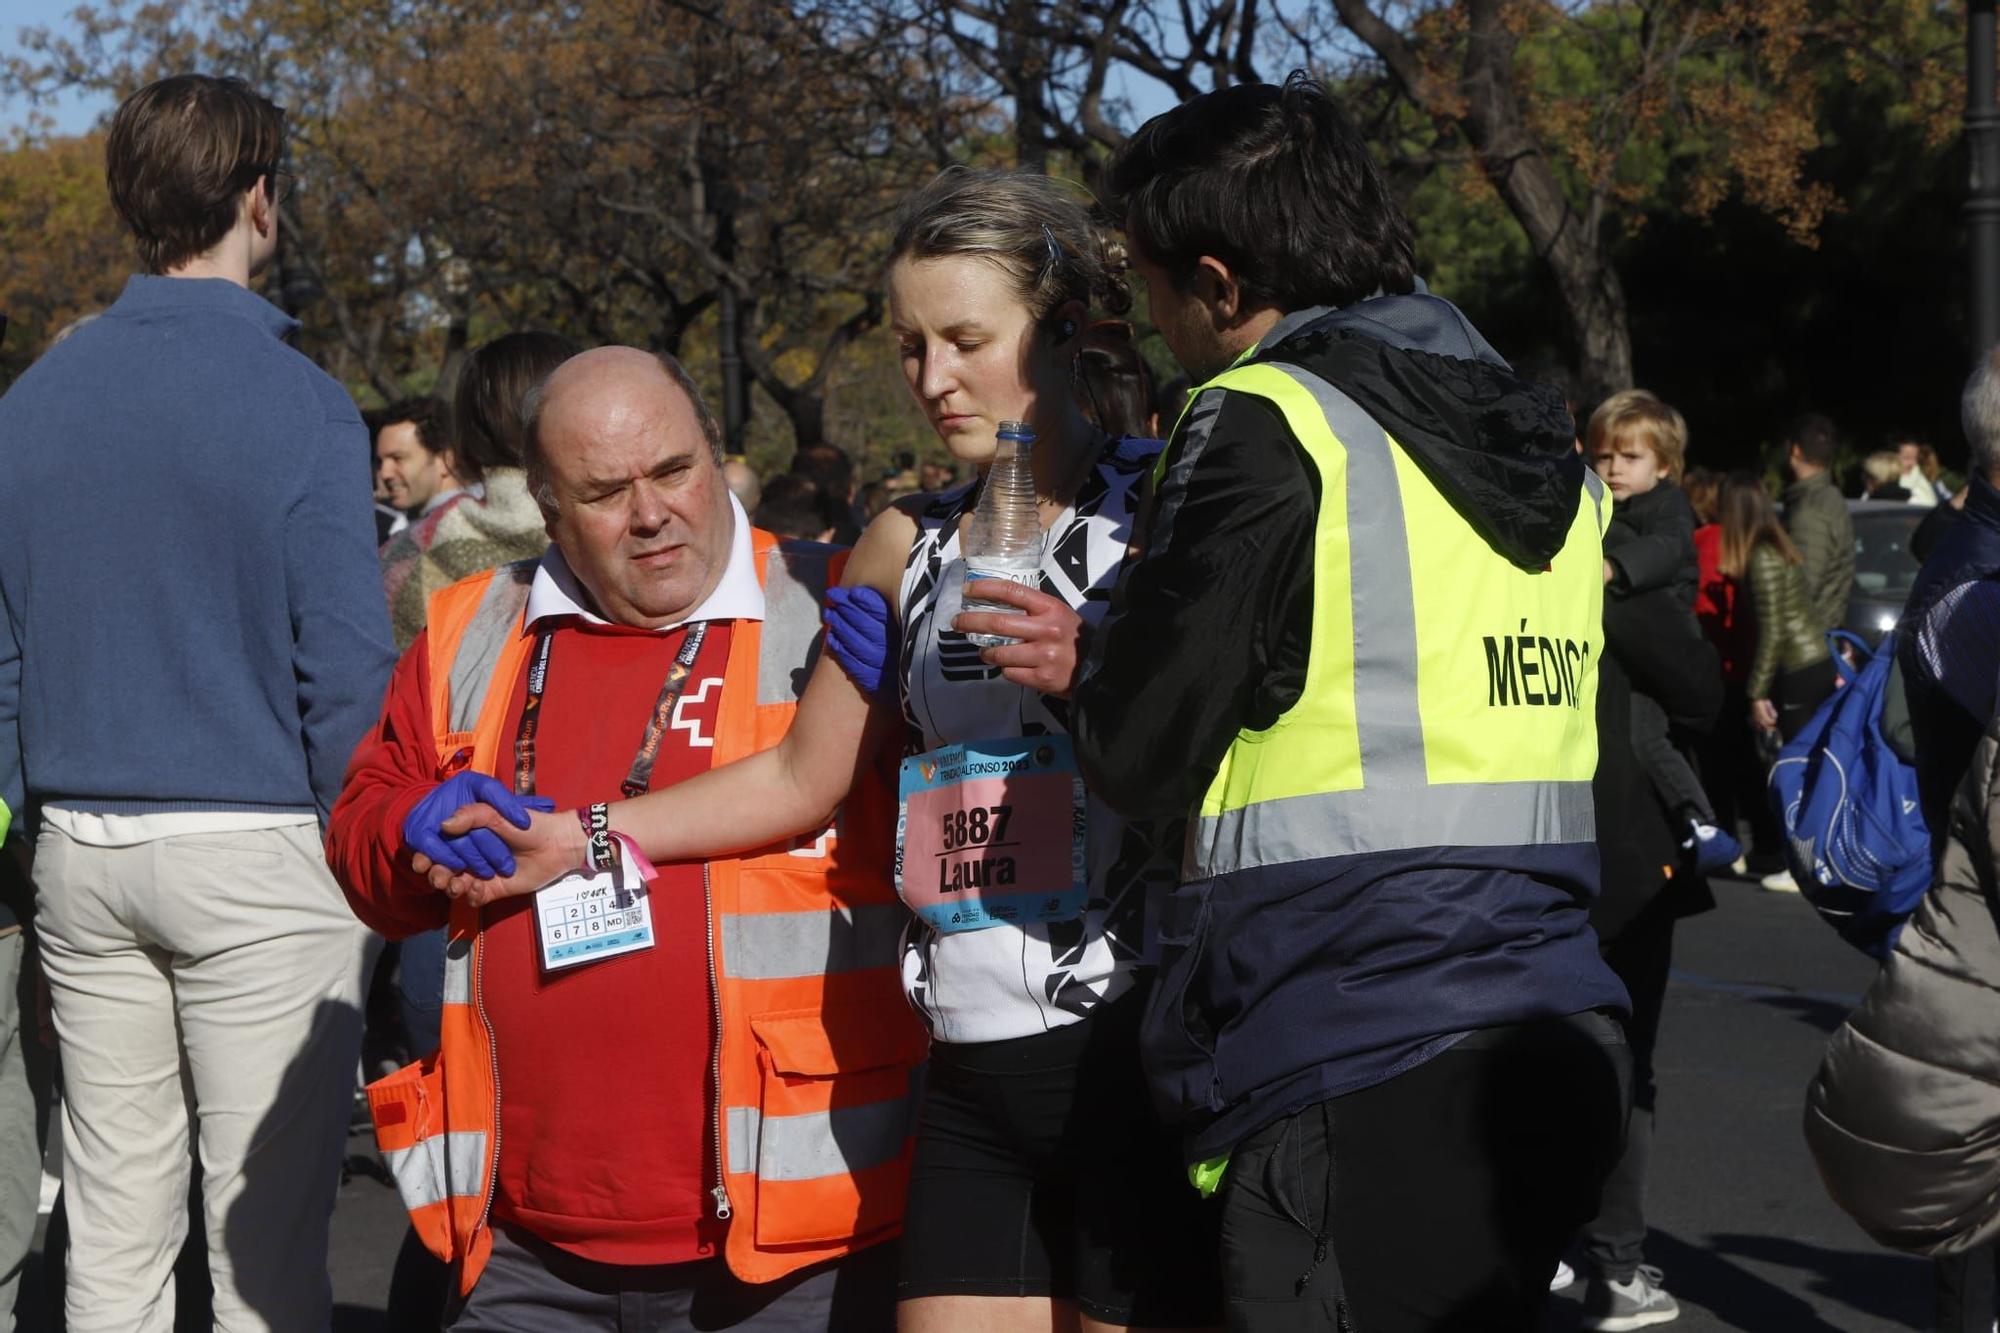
(1015, 430)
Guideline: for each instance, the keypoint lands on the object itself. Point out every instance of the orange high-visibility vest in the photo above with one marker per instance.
(818, 1057)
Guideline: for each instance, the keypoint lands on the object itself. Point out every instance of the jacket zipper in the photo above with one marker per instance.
(493, 1061)
(721, 1191)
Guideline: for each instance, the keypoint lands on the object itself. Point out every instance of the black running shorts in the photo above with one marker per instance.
(1042, 1170)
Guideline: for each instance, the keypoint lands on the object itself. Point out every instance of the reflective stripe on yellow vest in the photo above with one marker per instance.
(818, 1055)
(1450, 696)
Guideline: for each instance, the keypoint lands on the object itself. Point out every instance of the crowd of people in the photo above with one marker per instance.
(736, 931)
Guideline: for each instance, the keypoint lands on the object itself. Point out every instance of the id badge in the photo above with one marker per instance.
(993, 833)
(587, 916)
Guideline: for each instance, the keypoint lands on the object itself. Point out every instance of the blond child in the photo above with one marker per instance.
(1638, 445)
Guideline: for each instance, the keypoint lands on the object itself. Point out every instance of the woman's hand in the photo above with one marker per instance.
(1764, 714)
(1050, 634)
(551, 846)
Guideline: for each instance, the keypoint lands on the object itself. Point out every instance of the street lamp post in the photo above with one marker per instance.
(1982, 204)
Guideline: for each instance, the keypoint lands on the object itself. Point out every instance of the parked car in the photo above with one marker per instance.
(1885, 568)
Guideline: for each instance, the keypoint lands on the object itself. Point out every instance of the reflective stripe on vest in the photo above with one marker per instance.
(1450, 697)
(806, 968)
(493, 625)
(458, 970)
(795, 582)
(767, 946)
(844, 1141)
(440, 1166)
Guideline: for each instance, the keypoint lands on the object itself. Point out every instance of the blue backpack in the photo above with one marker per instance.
(1854, 836)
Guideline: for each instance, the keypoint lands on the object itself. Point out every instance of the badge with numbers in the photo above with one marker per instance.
(587, 916)
(992, 833)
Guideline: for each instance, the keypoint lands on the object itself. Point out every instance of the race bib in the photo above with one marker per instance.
(993, 833)
(585, 917)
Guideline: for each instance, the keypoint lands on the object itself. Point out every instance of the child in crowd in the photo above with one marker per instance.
(1638, 444)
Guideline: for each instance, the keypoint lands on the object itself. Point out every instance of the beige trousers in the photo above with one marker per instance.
(212, 978)
(20, 1159)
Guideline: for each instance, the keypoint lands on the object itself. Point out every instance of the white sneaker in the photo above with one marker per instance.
(1616, 1307)
(1780, 881)
(1565, 1275)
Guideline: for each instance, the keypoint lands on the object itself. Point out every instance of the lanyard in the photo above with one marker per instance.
(640, 776)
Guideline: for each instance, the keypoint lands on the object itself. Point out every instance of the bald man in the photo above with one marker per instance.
(600, 1141)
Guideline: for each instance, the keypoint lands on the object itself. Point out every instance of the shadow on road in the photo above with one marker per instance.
(1873, 1282)
(1878, 1285)
(1825, 1010)
(1826, 1015)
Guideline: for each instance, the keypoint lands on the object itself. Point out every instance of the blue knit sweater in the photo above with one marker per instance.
(193, 610)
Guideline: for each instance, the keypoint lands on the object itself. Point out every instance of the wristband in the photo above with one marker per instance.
(648, 872)
(596, 820)
(637, 860)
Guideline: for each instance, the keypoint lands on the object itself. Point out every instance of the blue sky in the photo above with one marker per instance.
(74, 114)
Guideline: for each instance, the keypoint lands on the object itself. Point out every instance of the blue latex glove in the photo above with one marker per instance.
(858, 635)
(480, 852)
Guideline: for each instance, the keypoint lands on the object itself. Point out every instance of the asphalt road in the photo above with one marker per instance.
(1741, 1226)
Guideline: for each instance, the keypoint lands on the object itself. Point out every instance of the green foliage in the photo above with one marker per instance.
(1733, 320)
(62, 254)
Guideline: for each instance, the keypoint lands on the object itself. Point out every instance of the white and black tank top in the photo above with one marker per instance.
(1015, 981)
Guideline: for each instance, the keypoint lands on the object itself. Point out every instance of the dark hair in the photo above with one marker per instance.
(486, 406)
(1273, 181)
(1034, 229)
(827, 466)
(1813, 434)
(180, 154)
(429, 415)
(1749, 520)
(1703, 489)
(793, 505)
(1114, 388)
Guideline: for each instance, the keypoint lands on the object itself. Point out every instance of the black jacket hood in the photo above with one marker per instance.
(1500, 448)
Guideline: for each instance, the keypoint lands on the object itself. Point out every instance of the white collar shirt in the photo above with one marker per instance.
(737, 594)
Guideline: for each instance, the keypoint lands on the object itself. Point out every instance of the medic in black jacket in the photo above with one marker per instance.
(1425, 1065)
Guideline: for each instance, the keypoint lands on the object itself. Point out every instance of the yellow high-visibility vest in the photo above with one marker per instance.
(1450, 695)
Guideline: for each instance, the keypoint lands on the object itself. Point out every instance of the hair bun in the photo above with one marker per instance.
(1113, 289)
(1037, 229)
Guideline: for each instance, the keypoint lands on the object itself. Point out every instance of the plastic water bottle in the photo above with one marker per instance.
(1002, 538)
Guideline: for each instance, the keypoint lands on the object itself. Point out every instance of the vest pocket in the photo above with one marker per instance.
(430, 1166)
(830, 1137)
